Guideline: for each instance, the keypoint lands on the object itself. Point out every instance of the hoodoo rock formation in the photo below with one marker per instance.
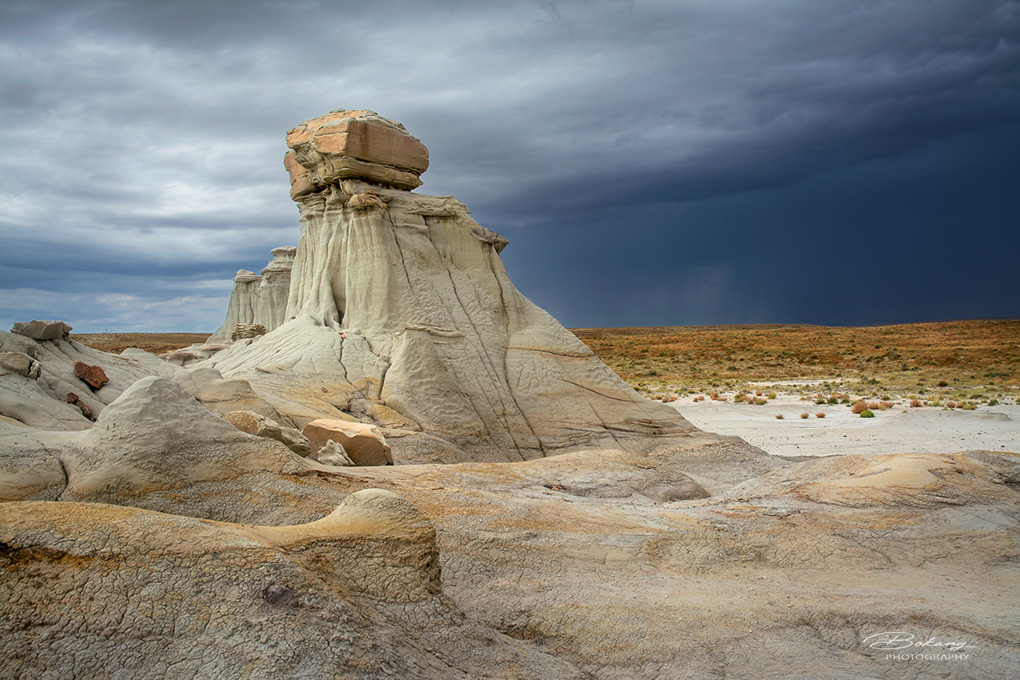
(271, 299)
(400, 309)
(259, 299)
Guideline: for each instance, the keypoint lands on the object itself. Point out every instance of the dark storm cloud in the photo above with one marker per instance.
(143, 141)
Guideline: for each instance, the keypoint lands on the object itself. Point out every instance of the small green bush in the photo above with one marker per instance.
(867, 414)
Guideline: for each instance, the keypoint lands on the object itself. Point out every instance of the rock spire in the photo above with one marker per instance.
(259, 299)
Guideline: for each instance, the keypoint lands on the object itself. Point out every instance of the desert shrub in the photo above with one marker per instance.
(914, 403)
(820, 414)
(779, 416)
(771, 395)
(943, 383)
(820, 402)
(950, 404)
(993, 402)
(740, 398)
(805, 415)
(859, 407)
(833, 400)
(885, 404)
(845, 400)
(874, 406)
(969, 407)
(713, 396)
(758, 401)
(757, 393)
(867, 414)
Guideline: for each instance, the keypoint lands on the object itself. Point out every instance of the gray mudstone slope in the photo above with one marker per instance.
(401, 312)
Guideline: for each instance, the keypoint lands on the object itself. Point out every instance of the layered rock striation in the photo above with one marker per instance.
(400, 300)
(347, 144)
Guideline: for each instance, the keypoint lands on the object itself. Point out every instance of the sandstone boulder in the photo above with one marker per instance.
(93, 376)
(332, 453)
(20, 363)
(364, 444)
(347, 144)
(243, 331)
(42, 330)
(263, 426)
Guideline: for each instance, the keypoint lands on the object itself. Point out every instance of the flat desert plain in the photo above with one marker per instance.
(932, 387)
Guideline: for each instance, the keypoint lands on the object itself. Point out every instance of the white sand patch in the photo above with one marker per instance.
(900, 429)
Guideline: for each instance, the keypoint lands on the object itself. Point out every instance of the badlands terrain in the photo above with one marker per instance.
(387, 462)
(973, 365)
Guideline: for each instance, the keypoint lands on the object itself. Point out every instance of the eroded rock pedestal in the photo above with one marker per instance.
(402, 314)
(258, 299)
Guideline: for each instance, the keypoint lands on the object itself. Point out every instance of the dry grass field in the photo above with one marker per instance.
(157, 343)
(972, 360)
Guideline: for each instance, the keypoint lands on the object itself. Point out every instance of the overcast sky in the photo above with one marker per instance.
(652, 163)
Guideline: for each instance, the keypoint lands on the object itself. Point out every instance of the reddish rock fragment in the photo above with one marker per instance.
(73, 398)
(94, 376)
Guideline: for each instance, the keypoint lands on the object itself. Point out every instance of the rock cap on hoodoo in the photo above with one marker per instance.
(42, 330)
(282, 262)
(245, 276)
(347, 144)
